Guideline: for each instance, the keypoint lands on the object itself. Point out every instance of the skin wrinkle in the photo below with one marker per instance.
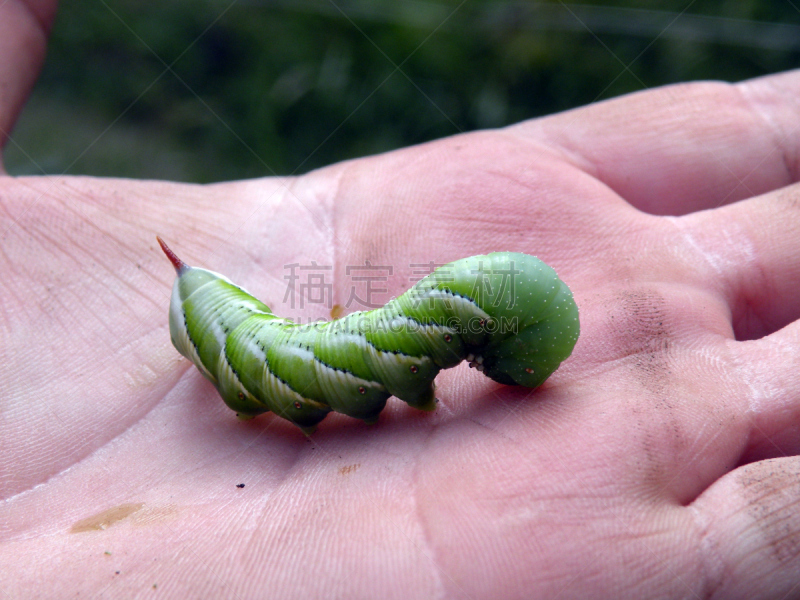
(694, 457)
(344, 174)
(126, 283)
(263, 431)
(686, 235)
(724, 566)
(64, 471)
(9, 291)
(109, 341)
(747, 320)
(339, 249)
(325, 206)
(531, 187)
(737, 295)
(55, 247)
(112, 357)
(60, 310)
(574, 155)
(740, 181)
(722, 90)
(281, 186)
(604, 177)
(128, 251)
(289, 187)
(561, 151)
(711, 563)
(791, 164)
(284, 486)
(748, 316)
(430, 547)
(761, 392)
(645, 337)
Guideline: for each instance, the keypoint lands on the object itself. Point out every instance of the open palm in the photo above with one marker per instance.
(655, 463)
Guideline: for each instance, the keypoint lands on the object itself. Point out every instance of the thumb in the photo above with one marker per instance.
(24, 25)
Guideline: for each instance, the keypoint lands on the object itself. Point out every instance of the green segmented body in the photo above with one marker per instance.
(507, 313)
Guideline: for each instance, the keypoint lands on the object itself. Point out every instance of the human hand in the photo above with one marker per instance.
(655, 463)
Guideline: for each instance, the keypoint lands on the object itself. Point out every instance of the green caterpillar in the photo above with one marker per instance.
(507, 313)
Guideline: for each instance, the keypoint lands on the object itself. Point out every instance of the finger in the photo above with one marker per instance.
(751, 251)
(683, 148)
(769, 370)
(750, 531)
(749, 254)
(24, 25)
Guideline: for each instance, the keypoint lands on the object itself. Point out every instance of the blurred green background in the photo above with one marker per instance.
(207, 90)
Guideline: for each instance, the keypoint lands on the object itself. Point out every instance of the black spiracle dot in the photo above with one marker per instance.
(362, 389)
(528, 370)
(240, 395)
(298, 405)
(448, 338)
(482, 322)
(413, 368)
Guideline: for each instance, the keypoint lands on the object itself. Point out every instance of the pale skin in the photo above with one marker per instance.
(656, 463)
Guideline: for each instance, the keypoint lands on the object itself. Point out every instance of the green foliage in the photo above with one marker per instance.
(211, 90)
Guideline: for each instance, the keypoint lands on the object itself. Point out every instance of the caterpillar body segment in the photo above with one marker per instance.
(507, 313)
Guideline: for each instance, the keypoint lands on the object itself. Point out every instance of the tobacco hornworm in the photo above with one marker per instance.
(507, 313)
